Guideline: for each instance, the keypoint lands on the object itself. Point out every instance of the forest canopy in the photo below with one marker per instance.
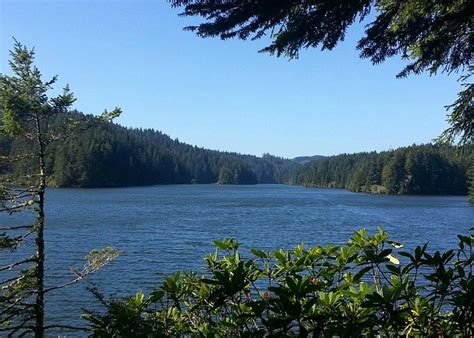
(109, 155)
(424, 169)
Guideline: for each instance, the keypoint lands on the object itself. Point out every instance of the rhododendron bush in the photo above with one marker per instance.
(367, 286)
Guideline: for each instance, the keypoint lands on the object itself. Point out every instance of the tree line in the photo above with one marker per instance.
(423, 169)
(110, 155)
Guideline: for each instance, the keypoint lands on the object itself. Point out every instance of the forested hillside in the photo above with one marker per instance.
(109, 155)
(307, 159)
(424, 169)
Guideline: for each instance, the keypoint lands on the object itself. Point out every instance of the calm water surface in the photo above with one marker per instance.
(162, 229)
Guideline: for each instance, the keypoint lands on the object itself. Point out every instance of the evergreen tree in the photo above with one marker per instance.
(25, 115)
(108, 155)
(393, 175)
(425, 169)
(471, 182)
(434, 35)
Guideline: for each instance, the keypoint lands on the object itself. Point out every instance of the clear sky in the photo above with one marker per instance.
(223, 94)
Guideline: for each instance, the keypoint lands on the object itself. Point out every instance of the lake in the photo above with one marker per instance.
(161, 229)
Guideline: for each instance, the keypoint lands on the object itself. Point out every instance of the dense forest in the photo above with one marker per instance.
(423, 169)
(109, 155)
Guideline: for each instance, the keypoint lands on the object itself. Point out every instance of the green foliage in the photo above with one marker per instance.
(424, 169)
(23, 96)
(357, 289)
(27, 133)
(25, 108)
(434, 35)
(236, 173)
(108, 155)
(471, 182)
(461, 118)
(96, 259)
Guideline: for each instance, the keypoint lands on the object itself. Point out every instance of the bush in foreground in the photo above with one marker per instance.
(360, 288)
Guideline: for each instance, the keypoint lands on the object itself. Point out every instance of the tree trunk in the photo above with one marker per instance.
(39, 305)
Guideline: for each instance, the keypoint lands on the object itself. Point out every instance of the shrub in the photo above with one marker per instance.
(365, 287)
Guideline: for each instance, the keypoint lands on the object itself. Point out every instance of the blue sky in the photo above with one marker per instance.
(223, 94)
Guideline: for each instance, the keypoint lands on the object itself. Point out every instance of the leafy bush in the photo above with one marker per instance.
(360, 288)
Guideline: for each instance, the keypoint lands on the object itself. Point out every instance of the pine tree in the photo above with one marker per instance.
(25, 113)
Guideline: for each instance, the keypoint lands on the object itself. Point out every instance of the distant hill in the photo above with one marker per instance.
(110, 155)
(419, 169)
(307, 159)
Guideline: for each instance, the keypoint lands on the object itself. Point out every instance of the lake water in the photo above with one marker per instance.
(162, 229)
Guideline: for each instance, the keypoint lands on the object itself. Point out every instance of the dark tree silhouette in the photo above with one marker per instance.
(434, 35)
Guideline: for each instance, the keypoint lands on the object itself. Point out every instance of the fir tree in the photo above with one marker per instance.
(26, 111)
(436, 36)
